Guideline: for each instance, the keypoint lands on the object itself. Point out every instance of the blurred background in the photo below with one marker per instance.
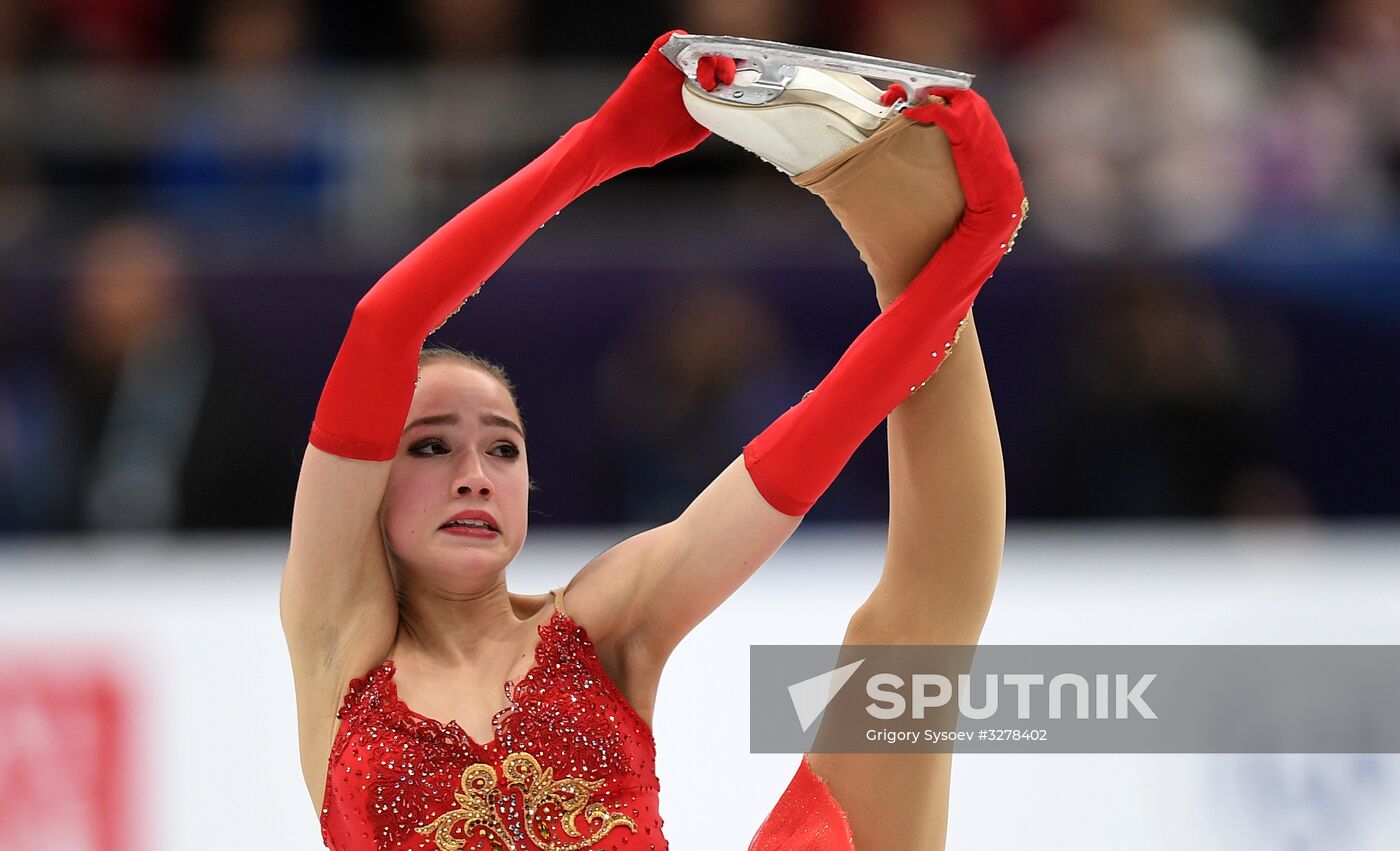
(193, 197)
(1199, 330)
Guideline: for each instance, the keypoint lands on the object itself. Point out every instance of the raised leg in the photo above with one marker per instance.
(897, 196)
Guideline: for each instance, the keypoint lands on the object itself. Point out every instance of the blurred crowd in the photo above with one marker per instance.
(1201, 322)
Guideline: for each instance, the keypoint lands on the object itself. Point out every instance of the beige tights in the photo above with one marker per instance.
(897, 196)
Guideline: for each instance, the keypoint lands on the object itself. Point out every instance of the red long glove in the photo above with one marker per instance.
(796, 459)
(367, 396)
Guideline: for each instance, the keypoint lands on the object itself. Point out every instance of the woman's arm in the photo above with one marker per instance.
(666, 580)
(337, 602)
(643, 123)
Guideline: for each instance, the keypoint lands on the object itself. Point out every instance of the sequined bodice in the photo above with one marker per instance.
(572, 767)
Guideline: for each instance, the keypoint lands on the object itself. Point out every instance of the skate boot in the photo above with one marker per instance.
(796, 107)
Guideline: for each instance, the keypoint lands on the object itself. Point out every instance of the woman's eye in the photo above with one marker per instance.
(508, 450)
(422, 448)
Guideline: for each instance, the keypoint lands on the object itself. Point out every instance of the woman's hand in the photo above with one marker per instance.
(991, 183)
(645, 121)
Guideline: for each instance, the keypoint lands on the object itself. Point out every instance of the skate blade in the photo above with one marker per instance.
(776, 63)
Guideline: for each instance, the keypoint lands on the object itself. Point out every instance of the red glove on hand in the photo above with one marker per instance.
(989, 177)
(367, 396)
(796, 459)
(645, 122)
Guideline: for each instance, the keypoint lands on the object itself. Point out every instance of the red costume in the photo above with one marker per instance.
(572, 766)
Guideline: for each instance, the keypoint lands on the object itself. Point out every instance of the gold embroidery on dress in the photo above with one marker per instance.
(548, 802)
(570, 795)
(476, 806)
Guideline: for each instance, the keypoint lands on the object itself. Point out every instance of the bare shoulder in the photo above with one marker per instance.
(641, 597)
(601, 599)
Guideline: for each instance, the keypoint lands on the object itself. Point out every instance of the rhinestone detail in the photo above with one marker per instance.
(572, 765)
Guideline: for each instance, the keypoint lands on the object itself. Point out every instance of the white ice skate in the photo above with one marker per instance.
(793, 106)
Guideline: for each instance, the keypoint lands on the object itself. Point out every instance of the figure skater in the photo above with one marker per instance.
(412, 502)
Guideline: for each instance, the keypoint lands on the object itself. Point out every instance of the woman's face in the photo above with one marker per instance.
(462, 451)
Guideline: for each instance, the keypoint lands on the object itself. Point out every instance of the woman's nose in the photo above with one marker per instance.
(471, 477)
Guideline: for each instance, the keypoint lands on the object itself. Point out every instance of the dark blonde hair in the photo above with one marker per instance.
(442, 351)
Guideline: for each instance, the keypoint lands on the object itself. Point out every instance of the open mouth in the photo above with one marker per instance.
(469, 524)
(474, 522)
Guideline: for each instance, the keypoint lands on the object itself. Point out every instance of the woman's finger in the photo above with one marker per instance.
(714, 71)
